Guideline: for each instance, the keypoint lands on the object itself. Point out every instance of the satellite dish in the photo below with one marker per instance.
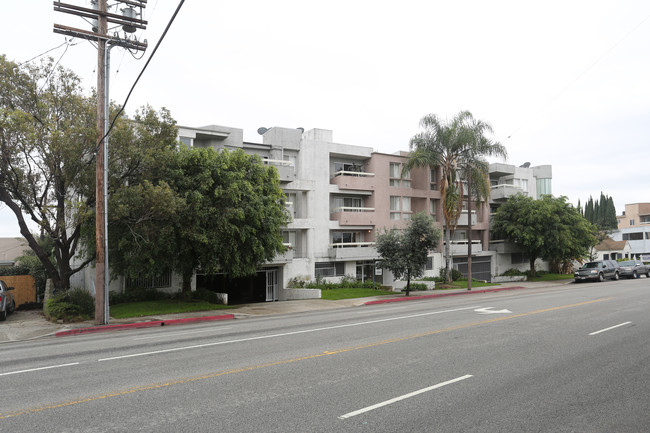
(262, 130)
(302, 130)
(525, 165)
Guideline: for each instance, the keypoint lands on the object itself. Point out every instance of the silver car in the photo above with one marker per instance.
(597, 271)
(634, 268)
(7, 303)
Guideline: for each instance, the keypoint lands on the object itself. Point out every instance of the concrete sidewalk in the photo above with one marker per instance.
(26, 325)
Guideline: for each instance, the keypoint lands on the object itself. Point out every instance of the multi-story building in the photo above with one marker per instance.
(340, 197)
(508, 180)
(634, 226)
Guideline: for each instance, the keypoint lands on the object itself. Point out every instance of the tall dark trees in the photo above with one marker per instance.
(601, 213)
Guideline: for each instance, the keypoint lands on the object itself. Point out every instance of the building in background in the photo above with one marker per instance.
(634, 226)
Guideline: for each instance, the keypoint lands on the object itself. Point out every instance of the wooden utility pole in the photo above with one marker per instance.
(130, 22)
(101, 318)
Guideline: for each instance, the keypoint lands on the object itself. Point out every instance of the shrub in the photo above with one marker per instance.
(455, 274)
(206, 295)
(513, 273)
(72, 305)
(418, 286)
(137, 295)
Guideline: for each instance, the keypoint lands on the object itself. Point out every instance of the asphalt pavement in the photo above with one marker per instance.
(27, 325)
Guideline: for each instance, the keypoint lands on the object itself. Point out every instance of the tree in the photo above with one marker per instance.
(404, 253)
(216, 211)
(457, 148)
(476, 145)
(601, 213)
(48, 145)
(548, 228)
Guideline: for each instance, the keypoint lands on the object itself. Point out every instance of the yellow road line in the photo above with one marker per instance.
(288, 361)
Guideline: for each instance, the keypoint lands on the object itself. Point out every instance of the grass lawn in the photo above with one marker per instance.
(552, 277)
(336, 294)
(462, 284)
(167, 306)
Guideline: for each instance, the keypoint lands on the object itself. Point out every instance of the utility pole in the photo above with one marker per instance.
(130, 20)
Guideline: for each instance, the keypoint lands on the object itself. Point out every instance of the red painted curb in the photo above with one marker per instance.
(149, 324)
(440, 295)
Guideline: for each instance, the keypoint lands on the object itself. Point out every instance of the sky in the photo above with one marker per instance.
(565, 83)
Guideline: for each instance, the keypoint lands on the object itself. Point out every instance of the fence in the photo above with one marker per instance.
(24, 288)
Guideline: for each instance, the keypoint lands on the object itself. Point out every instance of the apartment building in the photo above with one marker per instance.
(508, 180)
(634, 226)
(340, 197)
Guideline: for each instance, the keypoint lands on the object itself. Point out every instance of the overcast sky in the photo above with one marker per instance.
(565, 83)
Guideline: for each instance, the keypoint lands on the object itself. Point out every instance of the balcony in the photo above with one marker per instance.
(353, 251)
(503, 247)
(286, 170)
(459, 248)
(462, 219)
(354, 180)
(353, 216)
(285, 257)
(504, 191)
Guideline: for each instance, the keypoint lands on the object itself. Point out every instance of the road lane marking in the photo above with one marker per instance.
(610, 328)
(489, 310)
(403, 397)
(262, 337)
(39, 368)
(164, 335)
(281, 362)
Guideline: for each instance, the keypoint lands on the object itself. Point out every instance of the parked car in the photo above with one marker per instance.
(7, 303)
(598, 271)
(634, 268)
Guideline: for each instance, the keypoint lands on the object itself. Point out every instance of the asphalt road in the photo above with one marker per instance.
(573, 358)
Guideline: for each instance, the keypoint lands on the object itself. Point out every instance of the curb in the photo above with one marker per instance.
(440, 295)
(150, 324)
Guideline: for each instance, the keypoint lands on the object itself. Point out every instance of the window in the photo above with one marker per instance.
(347, 204)
(518, 258)
(631, 221)
(395, 207)
(543, 187)
(291, 203)
(156, 282)
(432, 208)
(347, 167)
(395, 174)
(636, 236)
(433, 179)
(346, 237)
(329, 269)
(187, 141)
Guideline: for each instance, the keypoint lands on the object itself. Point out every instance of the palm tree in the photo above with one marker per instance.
(457, 148)
(476, 146)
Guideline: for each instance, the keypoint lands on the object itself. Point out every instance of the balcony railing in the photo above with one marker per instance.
(353, 250)
(347, 215)
(503, 191)
(459, 248)
(352, 209)
(286, 169)
(353, 173)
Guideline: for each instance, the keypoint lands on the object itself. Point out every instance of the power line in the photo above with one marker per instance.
(583, 73)
(178, 8)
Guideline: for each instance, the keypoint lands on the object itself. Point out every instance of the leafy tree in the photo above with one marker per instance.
(48, 144)
(457, 148)
(217, 211)
(404, 253)
(548, 228)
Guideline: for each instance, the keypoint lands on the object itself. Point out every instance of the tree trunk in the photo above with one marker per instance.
(187, 283)
(408, 285)
(447, 255)
(532, 266)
